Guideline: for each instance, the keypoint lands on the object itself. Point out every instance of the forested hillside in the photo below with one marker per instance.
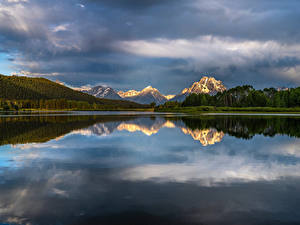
(24, 92)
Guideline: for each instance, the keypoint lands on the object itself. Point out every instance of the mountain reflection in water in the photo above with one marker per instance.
(152, 126)
(155, 169)
(208, 130)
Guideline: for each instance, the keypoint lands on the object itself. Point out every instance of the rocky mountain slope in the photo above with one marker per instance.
(146, 96)
(128, 94)
(207, 85)
(103, 92)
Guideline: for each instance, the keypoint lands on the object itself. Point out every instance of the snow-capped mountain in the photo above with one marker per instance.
(207, 85)
(146, 96)
(103, 92)
(169, 96)
(128, 94)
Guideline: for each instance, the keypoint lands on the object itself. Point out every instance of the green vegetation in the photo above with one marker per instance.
(18, 93)
(241, 99)
(213, 109)
(63, 104)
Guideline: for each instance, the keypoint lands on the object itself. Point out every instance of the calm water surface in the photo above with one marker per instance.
(149, 169)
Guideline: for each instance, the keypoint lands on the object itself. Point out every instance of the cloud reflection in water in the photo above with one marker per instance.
(154, 169)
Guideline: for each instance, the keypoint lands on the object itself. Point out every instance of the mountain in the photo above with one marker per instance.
(127, 94)
(207, 85)
(146, 96)
(27, 88)
(169, 96)
(103, 92)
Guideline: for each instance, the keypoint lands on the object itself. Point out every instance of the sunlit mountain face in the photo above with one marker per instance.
(206, 85)
(96, 168)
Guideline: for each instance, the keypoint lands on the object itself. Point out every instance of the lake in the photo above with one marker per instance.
(144, 168)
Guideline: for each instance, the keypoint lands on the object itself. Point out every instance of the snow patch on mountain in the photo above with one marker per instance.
(103, 92)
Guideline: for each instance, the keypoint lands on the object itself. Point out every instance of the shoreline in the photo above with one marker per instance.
(182, 111)
(231, 110)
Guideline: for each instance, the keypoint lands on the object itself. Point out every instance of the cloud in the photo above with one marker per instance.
(277, 60)
(130, 43)
(133, 4)
(206, 47)
(81, 5)
(16, 1)
(62, 27)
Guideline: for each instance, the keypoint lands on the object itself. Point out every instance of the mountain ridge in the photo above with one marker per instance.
(145, 96)
(103, 92)
(29, 88)
(207, 85)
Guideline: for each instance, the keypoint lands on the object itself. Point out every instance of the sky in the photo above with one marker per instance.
(168, 44)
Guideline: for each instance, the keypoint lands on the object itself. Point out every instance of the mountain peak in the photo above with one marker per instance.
(102, 92)
(149, 88)
(206, 85)
(128, 94)
(145, 96)
(169, 96)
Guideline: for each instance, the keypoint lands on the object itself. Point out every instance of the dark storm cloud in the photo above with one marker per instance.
(132, 4)
(82, 42)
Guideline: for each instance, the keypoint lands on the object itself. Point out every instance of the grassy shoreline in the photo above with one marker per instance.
(79, 110)
(212, 109)
(188, 110)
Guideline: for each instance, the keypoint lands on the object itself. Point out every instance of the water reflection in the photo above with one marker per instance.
(207, 130)
(205, 137)
(149, 170)
(151, 126)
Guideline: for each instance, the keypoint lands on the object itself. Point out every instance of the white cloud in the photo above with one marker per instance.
(16, 1)
(30, 74)
(81, 5)
(62, 27)
(208, 48)
(216, 51)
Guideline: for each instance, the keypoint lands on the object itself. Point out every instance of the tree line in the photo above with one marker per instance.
(52, 104)
(246, 96)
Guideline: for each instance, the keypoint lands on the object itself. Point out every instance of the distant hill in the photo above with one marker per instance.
(103, 92)
(25, 88)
